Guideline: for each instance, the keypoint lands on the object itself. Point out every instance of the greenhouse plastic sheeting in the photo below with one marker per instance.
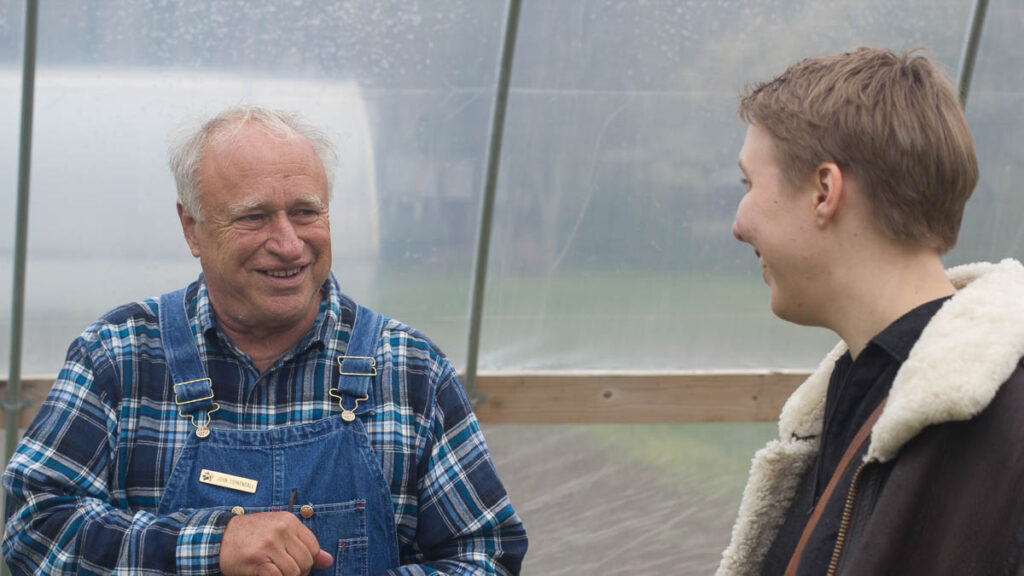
(611, 248)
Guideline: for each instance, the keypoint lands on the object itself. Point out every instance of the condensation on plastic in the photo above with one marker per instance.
(613, 247)
(404, 90)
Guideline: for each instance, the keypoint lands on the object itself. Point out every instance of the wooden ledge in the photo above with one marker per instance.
(591, 397)
(635, 398)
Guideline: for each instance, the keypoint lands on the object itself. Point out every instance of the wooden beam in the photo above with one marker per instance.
(639, 398)
(594, 397)
(33, 390)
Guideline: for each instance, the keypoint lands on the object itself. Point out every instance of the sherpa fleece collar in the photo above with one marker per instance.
(970, 347)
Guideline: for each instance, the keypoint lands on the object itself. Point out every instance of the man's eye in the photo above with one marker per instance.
(252, 218)
(746, 184)
(305, 213)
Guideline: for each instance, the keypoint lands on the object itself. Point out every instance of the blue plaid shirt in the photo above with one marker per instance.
(84, 485)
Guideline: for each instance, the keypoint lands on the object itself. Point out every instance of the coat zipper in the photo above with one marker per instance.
(844, 524)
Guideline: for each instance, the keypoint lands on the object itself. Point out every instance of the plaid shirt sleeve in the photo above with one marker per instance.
(61, 514)
(464, 521)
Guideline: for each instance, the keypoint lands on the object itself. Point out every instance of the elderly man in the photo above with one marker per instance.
(902, 453)
(258, 421)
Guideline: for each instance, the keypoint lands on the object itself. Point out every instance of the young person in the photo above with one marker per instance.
(903, 453)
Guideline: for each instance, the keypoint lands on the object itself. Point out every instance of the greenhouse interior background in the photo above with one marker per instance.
(610, 244)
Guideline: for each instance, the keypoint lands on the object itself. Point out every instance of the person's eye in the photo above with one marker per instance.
(306, 213)
(746, 184)
(254, 218)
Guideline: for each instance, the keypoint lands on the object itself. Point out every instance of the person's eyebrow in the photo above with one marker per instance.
(244, 208)
(313, 200)
(237, 210)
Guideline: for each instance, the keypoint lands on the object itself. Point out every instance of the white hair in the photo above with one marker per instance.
(186, 153)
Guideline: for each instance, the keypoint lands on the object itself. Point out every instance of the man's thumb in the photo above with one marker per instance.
(323, 560)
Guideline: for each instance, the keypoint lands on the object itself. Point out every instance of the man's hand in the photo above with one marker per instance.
(270, 544)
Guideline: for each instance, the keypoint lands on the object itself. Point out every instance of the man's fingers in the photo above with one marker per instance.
(286, 564)
(299, 553)
(319, 558)
(268, 569)
(271, 544)
(308, 540)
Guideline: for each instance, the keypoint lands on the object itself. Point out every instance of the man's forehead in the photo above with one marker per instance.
(255, 149)
(252, 140)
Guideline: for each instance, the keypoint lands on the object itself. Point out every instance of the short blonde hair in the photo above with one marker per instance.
(892, 123)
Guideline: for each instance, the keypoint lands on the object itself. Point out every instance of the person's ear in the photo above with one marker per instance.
(188, 226)
(827, 192)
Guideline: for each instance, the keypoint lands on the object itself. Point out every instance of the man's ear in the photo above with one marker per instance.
(188, 226)
(828, 192)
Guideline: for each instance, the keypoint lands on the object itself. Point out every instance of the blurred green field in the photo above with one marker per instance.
(607, 321)
(699, 455)
(572, 320)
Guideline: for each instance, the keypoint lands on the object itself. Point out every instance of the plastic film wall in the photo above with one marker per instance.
(611, 244)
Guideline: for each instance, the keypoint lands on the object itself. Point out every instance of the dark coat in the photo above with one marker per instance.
(942, 492)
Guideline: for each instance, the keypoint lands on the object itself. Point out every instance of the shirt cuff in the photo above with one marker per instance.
(199, 541)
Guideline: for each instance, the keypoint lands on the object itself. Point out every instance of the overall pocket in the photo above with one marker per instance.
(341, 531)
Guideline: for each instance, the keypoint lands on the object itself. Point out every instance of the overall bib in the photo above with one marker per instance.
(324, 472)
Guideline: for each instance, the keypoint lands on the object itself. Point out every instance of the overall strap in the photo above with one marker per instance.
(358, 366)
(193, 391)
(851, 451)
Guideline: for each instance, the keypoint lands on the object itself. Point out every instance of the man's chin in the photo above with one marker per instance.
(284, 309)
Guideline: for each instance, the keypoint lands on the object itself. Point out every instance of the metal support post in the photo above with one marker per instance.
(13, 404)
(487, 205)
(970, 51)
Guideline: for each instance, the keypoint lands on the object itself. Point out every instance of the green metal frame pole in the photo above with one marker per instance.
(13, 403)
(487, 206)
(970, 52)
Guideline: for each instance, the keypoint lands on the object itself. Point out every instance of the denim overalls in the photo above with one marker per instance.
(340, 491)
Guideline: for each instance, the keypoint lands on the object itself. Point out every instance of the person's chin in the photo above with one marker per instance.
(285, 313)
(793, 313)
(779, 306)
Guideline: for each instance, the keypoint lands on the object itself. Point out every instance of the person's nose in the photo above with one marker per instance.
(736, 231)
(284, 239)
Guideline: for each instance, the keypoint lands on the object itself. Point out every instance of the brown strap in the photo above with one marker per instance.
(851, 451)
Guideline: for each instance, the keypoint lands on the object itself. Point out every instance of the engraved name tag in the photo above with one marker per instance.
(227, 481)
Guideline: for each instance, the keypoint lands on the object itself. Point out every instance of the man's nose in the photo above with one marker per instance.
(736, 231)
(284, 239)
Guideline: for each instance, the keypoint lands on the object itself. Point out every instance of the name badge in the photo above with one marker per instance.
(227, 481)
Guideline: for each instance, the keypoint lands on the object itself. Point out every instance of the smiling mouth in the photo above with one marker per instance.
(764, 265)
(282, 273)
